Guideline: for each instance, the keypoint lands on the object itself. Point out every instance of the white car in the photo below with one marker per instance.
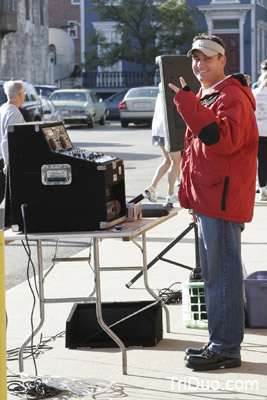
(138, 105)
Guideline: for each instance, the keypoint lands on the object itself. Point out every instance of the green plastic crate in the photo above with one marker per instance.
(194, 305)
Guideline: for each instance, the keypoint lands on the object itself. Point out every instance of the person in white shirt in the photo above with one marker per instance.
(9, 115)
(260, 94)
(171, 160)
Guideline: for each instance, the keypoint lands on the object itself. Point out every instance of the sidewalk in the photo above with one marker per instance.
(154, 373)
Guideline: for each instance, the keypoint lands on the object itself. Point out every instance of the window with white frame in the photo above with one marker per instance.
(108, 31)
(111, 36)
(75, 2)
(261, 42)
(73, 29)
(225, 24)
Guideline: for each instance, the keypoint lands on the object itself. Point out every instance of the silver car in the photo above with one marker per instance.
(138, 105)
(80, 106)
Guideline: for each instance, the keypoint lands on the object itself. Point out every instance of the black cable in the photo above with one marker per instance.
(169, 296)
(29, 283)
(28, 252)
(12, 354)
(32, 389)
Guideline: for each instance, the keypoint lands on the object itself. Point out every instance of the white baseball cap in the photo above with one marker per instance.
(208, 47)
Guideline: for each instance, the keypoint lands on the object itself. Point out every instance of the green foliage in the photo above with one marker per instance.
(146, 30)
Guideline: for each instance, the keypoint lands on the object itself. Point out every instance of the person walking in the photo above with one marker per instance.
(260, 94)
(171, 160)
(262, 71)
(9, 115)
(218, 177)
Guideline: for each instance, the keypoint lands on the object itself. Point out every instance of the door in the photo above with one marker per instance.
(232, 52)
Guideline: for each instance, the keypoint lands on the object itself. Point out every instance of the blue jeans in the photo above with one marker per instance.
(220, 260)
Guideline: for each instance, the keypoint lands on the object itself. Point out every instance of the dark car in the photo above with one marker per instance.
(45, 90)
(32, 107)
(112, 104)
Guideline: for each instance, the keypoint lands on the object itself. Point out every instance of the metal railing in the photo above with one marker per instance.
(119, 79)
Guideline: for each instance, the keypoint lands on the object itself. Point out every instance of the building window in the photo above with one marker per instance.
(114, 78)
(262, 42)
(225, 24)
(73, 29)
(11, 5)
(41, 12)
(27, 9)
(224, 1)
(75, 1)
(262, 3)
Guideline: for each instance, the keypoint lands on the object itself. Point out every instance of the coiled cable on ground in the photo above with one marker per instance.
(169, 296)
(48, 386)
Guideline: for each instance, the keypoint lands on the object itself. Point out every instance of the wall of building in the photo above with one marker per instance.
(62, 11)
(24, 53)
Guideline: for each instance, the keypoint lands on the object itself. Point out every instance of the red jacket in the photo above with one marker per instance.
(220, 152)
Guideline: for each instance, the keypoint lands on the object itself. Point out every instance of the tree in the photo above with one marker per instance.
(147, 29)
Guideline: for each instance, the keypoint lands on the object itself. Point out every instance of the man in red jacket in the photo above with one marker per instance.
(218, 183)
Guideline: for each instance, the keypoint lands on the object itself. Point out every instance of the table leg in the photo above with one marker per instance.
(153, 294)
(41, 305)
(99, 307)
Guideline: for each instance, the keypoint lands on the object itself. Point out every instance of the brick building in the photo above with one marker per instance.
(65, 15)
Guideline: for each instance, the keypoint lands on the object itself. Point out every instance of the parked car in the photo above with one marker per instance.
(80, 106)
(32, 107)
(138, 105)
(112, 104)
(50, 112)
(45, 90)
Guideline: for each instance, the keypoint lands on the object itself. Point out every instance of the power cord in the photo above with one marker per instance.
(30, 262)
(37, 388)
(47, 386)
(12, 354)
(169, 296)
(32, 389)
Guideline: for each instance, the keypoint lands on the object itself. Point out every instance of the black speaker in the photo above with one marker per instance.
(56, 187)
(136, 324)
(171, 69)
